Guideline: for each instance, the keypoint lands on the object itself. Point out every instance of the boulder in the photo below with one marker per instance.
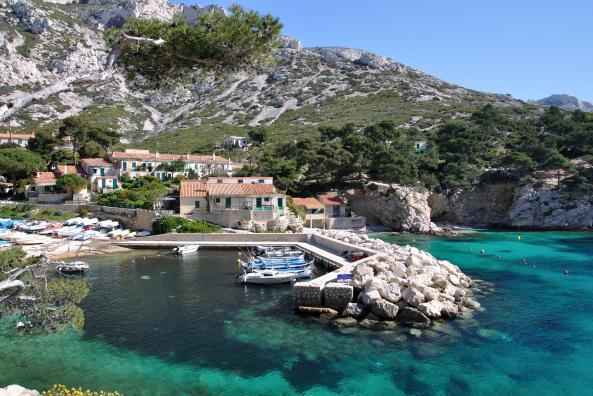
(368, 298)
(459, 294)
(449, 310)
(354, 310)
(440, 281)
(374, 284)
(432, 309)
(360, 275)
(454, 280)
(412, 315)
(17, 390)
(398, 269)
(384, 309)
(420, 281)
(430, 294)
(390, 291)
(412, 296)
(345, 322)
(471, 303)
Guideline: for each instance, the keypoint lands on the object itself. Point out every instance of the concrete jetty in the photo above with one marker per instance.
(322, 291)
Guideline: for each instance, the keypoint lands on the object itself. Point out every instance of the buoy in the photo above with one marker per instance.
(482, 251)
(519, 237)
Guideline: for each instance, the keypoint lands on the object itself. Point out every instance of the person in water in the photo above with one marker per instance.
(565, 271)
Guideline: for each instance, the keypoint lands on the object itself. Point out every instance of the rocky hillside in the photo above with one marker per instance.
(566, 102)
(44, 43)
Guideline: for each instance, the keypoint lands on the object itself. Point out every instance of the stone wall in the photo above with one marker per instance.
(337, 295)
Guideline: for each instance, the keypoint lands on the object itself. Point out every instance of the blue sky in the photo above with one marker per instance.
(527, 48)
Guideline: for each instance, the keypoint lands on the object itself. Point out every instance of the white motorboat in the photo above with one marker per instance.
(88, 222)
(143, 233)
(187, 249)
(108, 224)
(73, 221)
(267, 277)
(28, 240)
(71, 267)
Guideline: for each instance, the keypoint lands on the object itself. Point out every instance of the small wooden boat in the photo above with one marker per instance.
(187, 249)
(266, 277)
(72, 267)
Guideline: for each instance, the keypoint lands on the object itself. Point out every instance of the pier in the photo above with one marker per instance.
(321, 291)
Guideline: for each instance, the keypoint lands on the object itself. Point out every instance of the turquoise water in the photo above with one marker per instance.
(161, 325)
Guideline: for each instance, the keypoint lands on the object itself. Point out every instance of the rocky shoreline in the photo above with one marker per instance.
(400, 284)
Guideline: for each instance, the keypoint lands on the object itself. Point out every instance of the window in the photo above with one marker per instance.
(280, 203)
(267, 199)
(124, 165)
(261, 181)
(217, 200)
(219, 181)
(133, 164)
(114, 183)
(197, 205)
(227, 203)
(94, 171)
(240, 181)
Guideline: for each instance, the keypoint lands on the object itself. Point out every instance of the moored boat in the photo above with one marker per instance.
(71, 267)
(266, 277)
(186, 249)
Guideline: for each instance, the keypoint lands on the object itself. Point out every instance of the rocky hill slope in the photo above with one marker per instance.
(43, 43)
(566, 102)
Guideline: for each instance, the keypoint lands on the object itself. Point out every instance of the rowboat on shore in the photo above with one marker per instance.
(272, 252)
(73, 221)
(50, 229)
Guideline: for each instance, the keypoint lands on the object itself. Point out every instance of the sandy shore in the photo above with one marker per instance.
(65, 248)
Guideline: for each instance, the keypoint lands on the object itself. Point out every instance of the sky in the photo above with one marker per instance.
(529, 49)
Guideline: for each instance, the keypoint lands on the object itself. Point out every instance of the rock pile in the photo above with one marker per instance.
(404, 284)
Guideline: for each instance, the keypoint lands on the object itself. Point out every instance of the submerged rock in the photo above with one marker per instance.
(345, 322)
(412, 315)
(354, 310)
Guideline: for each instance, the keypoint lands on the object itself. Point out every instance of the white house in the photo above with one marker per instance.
(240, 142)
(22, 139)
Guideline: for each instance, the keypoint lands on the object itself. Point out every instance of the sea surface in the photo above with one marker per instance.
(160, 325)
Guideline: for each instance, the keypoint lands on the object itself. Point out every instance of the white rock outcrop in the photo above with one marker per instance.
(392, 205)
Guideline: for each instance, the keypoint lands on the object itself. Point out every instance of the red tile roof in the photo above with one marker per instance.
(45, 177)
(95, 162)
(17, 135)
(200, 188)
(192, 188)
(331, 199)
(68, 170)
(309, 203)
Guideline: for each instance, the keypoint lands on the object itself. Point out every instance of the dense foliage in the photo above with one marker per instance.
(166, 224)
(489, 146)
(87, 140)
(71, 182)
(142, 192)
(216, 40)
(18, 163)
(54, 303)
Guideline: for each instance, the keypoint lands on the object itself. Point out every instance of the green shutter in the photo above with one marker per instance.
(197, 205)
(227, 203)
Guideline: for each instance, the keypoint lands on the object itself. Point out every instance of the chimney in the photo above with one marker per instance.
(213, 155)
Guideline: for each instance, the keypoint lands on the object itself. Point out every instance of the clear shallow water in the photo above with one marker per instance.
(168, 326)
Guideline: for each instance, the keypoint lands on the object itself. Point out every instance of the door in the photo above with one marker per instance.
(227, 203)
(102, 171)
(124, 166)
(258, 203)
(280, 203)
(103, 183)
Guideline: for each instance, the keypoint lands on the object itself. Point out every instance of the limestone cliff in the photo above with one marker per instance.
(506, 205)
(402, 208)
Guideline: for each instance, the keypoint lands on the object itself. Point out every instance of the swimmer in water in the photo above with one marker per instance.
(565, 271)
(524, 260)
(498, 257)
(482, 251)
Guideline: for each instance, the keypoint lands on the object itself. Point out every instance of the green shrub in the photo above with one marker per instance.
(168, 224)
